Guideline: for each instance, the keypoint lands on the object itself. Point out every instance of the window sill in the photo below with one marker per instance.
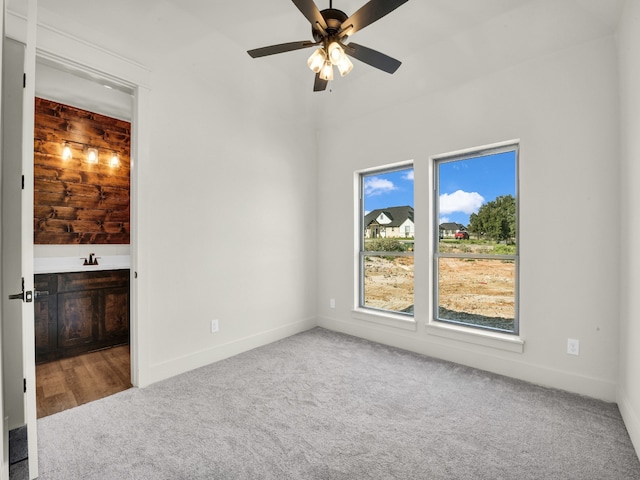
(385, 318)
(502, 341)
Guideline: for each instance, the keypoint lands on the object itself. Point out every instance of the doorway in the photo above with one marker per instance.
(81, 211)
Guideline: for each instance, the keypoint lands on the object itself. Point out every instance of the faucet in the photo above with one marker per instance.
(93, 260)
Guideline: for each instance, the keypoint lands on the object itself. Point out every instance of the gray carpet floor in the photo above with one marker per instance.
(322, 405)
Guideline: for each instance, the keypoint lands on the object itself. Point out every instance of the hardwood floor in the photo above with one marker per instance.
(67, 383)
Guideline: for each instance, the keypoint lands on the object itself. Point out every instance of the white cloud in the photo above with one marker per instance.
(408, 176)
(377, 186)
(445, 219)
(459, 201)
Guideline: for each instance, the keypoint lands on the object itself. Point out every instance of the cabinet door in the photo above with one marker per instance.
(77, 318)
(46, 317)
(116, 314)
(45, 328)
(45, 309)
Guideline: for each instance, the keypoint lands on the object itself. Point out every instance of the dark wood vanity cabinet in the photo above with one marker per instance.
(46, 316)
(82, 312)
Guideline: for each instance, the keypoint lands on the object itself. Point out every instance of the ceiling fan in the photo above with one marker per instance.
(330, 29)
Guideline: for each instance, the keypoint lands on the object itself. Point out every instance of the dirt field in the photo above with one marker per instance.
(480, 290)
(389, 283)
(477, 288)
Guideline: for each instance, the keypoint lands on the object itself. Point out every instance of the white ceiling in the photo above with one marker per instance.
(439, 41)
(69, 87)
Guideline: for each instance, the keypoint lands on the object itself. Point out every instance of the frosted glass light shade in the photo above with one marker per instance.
(317, 60)
(66, 151)
(345, 66)
(92, 155)
(336, 53)
(327, 72)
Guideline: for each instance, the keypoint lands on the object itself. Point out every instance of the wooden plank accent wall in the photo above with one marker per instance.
(75, 201)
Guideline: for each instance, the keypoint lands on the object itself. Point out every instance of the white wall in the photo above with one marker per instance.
(71, 88)
(564, 108)
(230, 164)
(629, 377)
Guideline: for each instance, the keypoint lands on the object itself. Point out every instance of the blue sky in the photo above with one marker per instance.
(393, 189)
(465, 185)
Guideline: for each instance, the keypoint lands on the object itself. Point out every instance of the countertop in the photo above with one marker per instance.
(76, 264)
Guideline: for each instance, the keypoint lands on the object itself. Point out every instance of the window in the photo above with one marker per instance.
(386, 238)
(476, 248)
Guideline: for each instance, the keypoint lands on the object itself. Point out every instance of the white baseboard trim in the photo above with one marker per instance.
(631, 419)
(478, 357)
(175, 366)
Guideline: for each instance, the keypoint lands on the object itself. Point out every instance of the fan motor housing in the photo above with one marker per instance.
(333, 18)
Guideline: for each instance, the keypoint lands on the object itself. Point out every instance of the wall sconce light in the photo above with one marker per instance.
(91, 155)
(66, 151)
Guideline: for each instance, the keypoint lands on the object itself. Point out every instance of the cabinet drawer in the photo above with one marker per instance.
(79, 281)
(46, 282)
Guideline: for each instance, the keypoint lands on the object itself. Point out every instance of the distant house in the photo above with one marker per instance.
(391, 222)
(449, 229)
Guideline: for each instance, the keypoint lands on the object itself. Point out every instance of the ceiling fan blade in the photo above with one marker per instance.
(373, 57)
(280, 48)
(369, 13)
(311, 12)
(319, 85)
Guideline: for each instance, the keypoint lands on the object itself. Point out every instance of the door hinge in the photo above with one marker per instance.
(24, 80)
(24, 384)
(23, 182)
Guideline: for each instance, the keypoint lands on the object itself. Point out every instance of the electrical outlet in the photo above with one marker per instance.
(332, 303)
(214, 326)
(573, 346)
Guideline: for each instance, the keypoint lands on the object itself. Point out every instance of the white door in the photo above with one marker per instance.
(4, 440)
(18, 342)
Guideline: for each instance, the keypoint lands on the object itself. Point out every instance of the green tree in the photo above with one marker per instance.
(495, 220)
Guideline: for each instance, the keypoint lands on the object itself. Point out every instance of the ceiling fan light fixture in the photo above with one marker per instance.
(330, 29)
(327, 71)
(336, 53)
(345, 66)
(317, 60)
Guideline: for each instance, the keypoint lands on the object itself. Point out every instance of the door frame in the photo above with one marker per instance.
(138, 95)
(28, 313)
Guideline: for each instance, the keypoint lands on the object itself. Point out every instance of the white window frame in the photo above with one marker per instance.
(510, 341)
(400, 320)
